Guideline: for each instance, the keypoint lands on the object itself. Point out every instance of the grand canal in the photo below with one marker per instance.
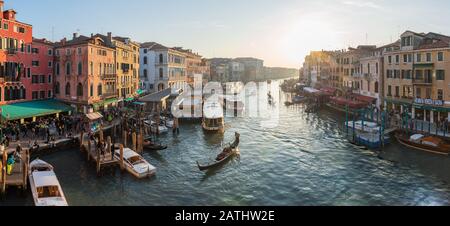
(305, 160)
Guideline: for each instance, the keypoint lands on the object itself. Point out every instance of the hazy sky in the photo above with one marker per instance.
(281, 32)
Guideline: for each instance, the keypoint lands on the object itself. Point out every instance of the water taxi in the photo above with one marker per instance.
(432, 144)
(44, 185)
(213, 117)
(135, 164)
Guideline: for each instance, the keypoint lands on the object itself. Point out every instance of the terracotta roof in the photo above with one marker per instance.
(76, 41)
(43, 41)
(437, 44)
(154, 46)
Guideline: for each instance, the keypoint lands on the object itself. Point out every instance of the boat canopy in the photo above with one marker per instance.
(416, 137)
(45, 179)
(328, 90)
(94, 116)
(310, 90)
(366, 99)
(350, 103)
(213, 110)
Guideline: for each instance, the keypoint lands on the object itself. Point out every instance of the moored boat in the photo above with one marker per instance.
(213, 117)
(432, 144)
(44, 185)
(151, 146)
(224, 156)
(135, 164)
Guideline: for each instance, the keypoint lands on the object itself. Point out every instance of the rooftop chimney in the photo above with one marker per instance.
(2, 3)
(75, 35)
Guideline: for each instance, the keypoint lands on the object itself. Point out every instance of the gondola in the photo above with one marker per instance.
(223, 157)
(431, 144)
(150, 146)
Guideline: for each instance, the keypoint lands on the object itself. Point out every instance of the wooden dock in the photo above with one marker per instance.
(19, 174)
(93, 154)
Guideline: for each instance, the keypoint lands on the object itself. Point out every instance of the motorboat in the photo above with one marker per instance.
(44, 185)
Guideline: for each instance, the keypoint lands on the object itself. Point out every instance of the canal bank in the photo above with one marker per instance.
(305, 160)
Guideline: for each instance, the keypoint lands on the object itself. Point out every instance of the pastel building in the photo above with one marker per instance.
(85, 73)
(162, 67)
(15, 57)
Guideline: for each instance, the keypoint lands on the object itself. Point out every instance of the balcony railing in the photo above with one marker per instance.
(12, 51)
(423, 81)
(108, 76)
(109, 95)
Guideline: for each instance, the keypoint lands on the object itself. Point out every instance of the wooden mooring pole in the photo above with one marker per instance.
(121, 157)
(133, 137)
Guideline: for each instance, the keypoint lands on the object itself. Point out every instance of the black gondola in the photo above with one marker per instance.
(223, 157)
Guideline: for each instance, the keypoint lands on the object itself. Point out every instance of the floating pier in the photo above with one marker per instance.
(19, 173)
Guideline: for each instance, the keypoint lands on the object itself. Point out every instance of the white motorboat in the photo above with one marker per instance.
(135, 163)
(45, 185)
(213, 117)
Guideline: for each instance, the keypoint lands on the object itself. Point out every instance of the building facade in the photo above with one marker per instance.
(42, 78)
(85, 74)
(371, 78)
(127, 66)
(15, 58)
(254, 68)
(161, 68)
(416, 78)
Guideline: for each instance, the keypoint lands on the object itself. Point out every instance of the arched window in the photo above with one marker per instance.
(376, 87)
(79, 90)
(145, 60)
(57, 88)
(68, 89)
(161, 87)
(6, 93)
(80, 68)
(100, 89)
(91, 92)
(68, 68)
(161, 58)
(57, 68)
(145, 73)
(22, 93)
(15, 93)
(161, 73)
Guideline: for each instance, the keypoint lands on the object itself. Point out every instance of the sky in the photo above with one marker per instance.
(281, 32)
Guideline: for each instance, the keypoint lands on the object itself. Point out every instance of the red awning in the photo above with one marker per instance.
(328, 90)
(350, 103)
(366, 99)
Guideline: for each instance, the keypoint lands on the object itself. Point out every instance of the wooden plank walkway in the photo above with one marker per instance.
(19, 173)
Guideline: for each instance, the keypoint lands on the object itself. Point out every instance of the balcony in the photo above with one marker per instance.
(427, 81)
(358, 75)
(12, 51)
(109, 95)
(108, 77)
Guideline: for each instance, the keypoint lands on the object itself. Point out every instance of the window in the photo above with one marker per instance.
(397, 59)
(50, 94)
(419, 74)
(28, 72)
(35, 79)
(418, 93)
(405, 58)
(161, 58)
(419, 57)
(428, 57)
(57, 88)
(410, 58)
(57, 68)
(42, 79)
(68, 89)
(91, 70)
(35, 50)
(145, 73)
(6, 26)
(376, 68)
(21, 30)
(79, 90)
(161, 73)
(35, 95)
(50, 52)
(100, 89)
(440, 56)
(389, 91)
(57, 52)
(145, 60)
(440, 94)
(50, 64)
(35, 63)
(428, 93)
(29, 48)
(91, 90)
(68, 68)
(145, 51)
(42, 94)
(79, 51)
(80, 68)
(50, 79)
(376, 87)
(397, 91)
(440, 74)
(68, 52)
(390, 59)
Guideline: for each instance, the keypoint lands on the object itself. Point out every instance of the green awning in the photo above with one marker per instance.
(140, 91)
(425, 65)
(399, 101)
(129, 99)
(32, 109)
(105, 102)
(431, 108)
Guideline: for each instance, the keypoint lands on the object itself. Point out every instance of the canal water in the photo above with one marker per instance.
(305, 160)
